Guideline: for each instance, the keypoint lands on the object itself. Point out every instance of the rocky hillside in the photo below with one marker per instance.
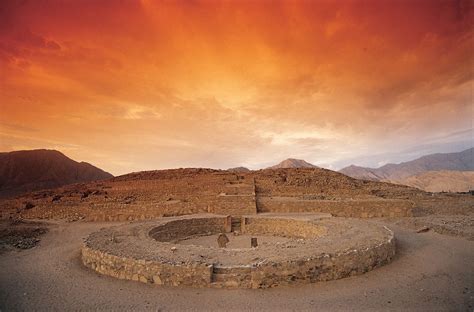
(363, 173)
(150, 194)
(25, 171)
(399, 173)
(239, 169)
(442, 181)
(293, 163)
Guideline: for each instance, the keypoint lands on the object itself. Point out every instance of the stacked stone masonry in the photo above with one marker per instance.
(334, 249)
(361, 208)
(151, 195)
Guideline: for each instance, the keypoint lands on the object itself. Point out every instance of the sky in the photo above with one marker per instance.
(143, 85)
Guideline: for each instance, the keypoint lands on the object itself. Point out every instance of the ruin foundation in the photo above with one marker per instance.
(303, 248)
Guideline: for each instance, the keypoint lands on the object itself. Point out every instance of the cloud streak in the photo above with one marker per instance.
(221, 84)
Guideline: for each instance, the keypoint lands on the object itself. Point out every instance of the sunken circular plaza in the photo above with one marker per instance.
(299, 248)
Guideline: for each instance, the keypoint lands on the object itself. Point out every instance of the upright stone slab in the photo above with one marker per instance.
(222, 240)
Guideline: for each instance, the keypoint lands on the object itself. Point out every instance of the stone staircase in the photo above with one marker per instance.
(231, 277)
(237, 196)
(236, 224)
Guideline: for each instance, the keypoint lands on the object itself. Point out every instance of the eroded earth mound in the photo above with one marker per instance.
(152, 194)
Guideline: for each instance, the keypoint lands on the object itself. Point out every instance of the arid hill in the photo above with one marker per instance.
(293, 163)
(399, 173)
(151, 194)
(239, 169)
(442, 181)
(26, 171)
(362, 173)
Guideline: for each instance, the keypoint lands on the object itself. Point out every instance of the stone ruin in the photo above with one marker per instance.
(296, 225)
(222, 240)
(166, 193)
(293, 249)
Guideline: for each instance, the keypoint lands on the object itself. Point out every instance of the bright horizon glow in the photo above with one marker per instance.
(142, 85)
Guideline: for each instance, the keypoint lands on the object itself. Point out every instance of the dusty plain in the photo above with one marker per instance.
(431, 272)
(433, 268)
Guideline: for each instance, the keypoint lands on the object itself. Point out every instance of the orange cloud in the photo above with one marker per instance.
(135, 85)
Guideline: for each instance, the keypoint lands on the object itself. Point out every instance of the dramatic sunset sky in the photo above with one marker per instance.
(137, 85)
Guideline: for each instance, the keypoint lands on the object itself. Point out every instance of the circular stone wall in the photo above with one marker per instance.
(293, 250)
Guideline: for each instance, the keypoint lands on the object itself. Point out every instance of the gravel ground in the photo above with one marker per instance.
(455, 225)
(239, 241)
(431, 272)
(20, 234)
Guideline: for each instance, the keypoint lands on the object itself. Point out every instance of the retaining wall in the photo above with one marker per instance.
(181, 229)
(323, 267)
(340, 208)
(310, 265)
(153, 272)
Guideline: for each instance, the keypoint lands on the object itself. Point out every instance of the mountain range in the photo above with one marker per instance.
(441, 181)
(435, 172)
(25, 171)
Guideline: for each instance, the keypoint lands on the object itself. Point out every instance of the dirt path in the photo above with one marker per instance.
(431, 272)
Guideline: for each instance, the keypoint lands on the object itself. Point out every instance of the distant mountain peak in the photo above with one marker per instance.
(239, 169)
(293, 163)
(31, 170)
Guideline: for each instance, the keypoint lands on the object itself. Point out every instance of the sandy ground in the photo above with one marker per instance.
(431, 272)
(455, 225)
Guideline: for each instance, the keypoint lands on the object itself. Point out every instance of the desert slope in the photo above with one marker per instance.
(151, 194)
(239, 169)
(363, 173)
(441, 181)
(293, 163)
(25, 171)
(434, 163)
